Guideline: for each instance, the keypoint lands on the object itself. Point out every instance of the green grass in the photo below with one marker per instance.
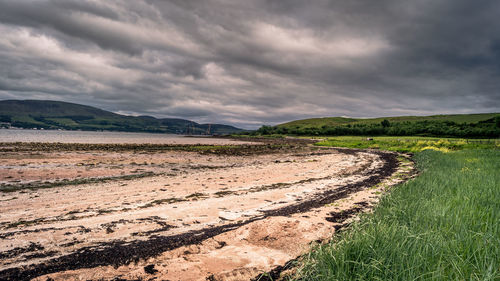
(410, 144)
(318, 122)
(27, 119)
(443, 225)
(335, 121)
(63, 121)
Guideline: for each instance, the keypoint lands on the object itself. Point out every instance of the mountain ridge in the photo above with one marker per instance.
(49, 114)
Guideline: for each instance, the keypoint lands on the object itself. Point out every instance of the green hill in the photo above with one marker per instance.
(458, 125)
(336, 121)
(71, 116)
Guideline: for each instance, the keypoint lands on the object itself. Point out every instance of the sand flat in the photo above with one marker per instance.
(189, 216)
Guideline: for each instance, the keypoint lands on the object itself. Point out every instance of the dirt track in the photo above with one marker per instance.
(177, 215)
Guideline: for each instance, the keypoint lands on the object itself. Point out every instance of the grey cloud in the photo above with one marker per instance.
(94, 8)
(255, 62)
(63, 19)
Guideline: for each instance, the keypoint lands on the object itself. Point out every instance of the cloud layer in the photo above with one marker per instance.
(258, 62)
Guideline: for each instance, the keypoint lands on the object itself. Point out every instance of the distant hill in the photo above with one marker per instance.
(459, 125)
(71, 116)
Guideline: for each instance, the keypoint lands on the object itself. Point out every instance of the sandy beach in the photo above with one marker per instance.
(174, 214)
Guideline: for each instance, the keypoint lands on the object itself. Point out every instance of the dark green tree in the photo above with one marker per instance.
(265, 130)
(385, 123)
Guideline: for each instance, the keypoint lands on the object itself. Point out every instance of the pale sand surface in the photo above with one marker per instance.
(230, 202)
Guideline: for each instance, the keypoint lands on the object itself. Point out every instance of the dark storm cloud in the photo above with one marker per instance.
(254, 62)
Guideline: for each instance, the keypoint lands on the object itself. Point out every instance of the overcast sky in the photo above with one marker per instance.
(249, 63)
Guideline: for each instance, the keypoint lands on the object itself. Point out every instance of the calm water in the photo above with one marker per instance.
(9, 135)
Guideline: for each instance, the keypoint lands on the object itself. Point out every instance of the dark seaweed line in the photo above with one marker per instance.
(35, 186)
(329, 196)
(12, 233)
(121, 252)
(230, 149)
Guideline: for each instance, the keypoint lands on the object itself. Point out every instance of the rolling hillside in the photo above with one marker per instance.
(336, 121)
(70, 116)
(486, 125)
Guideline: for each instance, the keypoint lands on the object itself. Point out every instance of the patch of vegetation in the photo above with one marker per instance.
(443, 225)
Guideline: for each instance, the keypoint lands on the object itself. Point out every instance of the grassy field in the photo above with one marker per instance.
(443, 225)
(335, 121)
(410, 144)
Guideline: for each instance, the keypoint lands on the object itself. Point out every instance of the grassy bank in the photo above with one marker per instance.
(443, 225)
(410, 144)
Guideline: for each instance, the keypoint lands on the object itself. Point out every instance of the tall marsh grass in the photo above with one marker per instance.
(443, 225)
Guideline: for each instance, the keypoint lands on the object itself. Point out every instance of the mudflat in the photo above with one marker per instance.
(125, 212)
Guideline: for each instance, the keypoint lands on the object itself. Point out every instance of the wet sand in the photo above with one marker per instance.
(175, 214)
